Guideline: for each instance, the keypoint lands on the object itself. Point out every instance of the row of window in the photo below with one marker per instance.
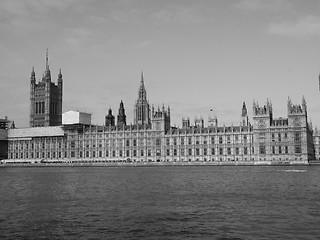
(182, 140)
(40, 108)
(36, 146)
(141, 152)
(280, 149)
(168, 152)
(38, 155)
(278, 137)
(72, 144)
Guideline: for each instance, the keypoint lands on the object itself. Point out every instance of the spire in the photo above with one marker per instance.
(47, 74)
(142, 109)
(13, 125)
(254, 107)
(304, 104)
(121, 120)
(244, 110)
(142, 80)
(47, 60)
(289, 104)
(33, 76)
(60, 74)
(142, 90)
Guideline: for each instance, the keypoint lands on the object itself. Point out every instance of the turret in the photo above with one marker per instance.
(199, 122)
(244, 115)
(121, 120)
(33, 76)
(297, 114)
(185, 122)
(109, 119)
(244, 110)
(297, 109)
(262, 115)
(161, 119)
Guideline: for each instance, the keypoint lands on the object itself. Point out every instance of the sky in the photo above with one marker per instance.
(195, 55)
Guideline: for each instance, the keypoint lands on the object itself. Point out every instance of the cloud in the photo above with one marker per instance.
(178, 14)
(258, 5)
(23, 16)
(77, 35)
(307, 26)
(25, 7)
(144, 44)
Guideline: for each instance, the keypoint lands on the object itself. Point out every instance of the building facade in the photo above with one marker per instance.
(45, 99)
(5, 125)
(152, 138)
(316, 141)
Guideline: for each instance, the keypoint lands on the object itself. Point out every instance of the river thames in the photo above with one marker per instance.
(163, 202)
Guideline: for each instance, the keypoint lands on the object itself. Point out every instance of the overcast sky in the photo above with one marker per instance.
(195, 55)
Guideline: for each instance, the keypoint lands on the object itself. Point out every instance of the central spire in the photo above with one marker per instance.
(142, 90)
(142, 109)
(142, 81)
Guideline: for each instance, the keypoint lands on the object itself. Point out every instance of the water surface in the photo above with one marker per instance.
(174, 202)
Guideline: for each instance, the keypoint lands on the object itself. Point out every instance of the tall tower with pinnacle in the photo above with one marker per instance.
(121, 120)
(142, 108)
(45, 99)
(244, 115)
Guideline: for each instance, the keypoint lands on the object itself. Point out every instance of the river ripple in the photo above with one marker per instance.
(174, 202)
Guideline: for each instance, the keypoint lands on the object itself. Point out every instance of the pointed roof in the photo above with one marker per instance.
(304, 103)
(47, 60)
(142, 81)
(47, 73)
(142, 90)
(244, 110)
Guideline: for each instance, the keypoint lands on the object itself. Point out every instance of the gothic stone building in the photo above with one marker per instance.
(152, 139)
(45, 100)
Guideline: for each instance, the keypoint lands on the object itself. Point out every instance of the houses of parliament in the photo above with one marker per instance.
(56, 137)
